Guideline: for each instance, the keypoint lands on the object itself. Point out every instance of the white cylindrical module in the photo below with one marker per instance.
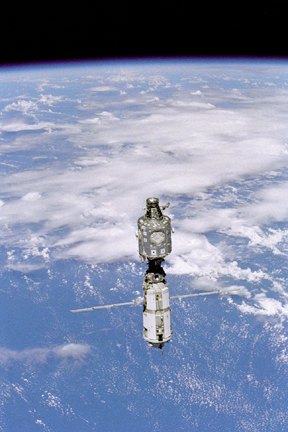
(156, 314)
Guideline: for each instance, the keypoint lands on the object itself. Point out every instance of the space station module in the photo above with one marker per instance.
(157, 328)
(154, 231)
(154, 241)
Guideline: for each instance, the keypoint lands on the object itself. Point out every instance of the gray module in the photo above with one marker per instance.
(154, 231)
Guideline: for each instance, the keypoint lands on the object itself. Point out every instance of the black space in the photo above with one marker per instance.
(41, 32)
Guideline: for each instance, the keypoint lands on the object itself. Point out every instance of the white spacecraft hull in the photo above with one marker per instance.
(156, 311)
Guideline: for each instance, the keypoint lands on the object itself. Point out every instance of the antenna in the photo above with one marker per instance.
(206, 293)
(141, 301)
(106, 306)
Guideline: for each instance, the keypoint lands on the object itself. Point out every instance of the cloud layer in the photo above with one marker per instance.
(72, 351)
(101, 148)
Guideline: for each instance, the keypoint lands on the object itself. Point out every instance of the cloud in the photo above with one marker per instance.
(103, 118)
(197, 257)
(192, 104)
(71, 351)
(21, 125)
(250, 218)
(258, 238)
(94, 120)
(264, 306)
(49, 99)
(24, 106)
(75, 352)
(87, 203)
(29, 107)
(24, 267)
(31, 196)
(103, 244)
(271, 205)
(103, 89)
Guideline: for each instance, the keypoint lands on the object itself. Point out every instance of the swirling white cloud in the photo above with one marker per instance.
(145, 144)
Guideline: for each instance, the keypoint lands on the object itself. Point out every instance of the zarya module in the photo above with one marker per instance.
(154, 240)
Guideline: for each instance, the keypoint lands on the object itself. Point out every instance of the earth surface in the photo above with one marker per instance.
(82, 146)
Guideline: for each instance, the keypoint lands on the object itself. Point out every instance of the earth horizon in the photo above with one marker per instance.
(83, 144)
